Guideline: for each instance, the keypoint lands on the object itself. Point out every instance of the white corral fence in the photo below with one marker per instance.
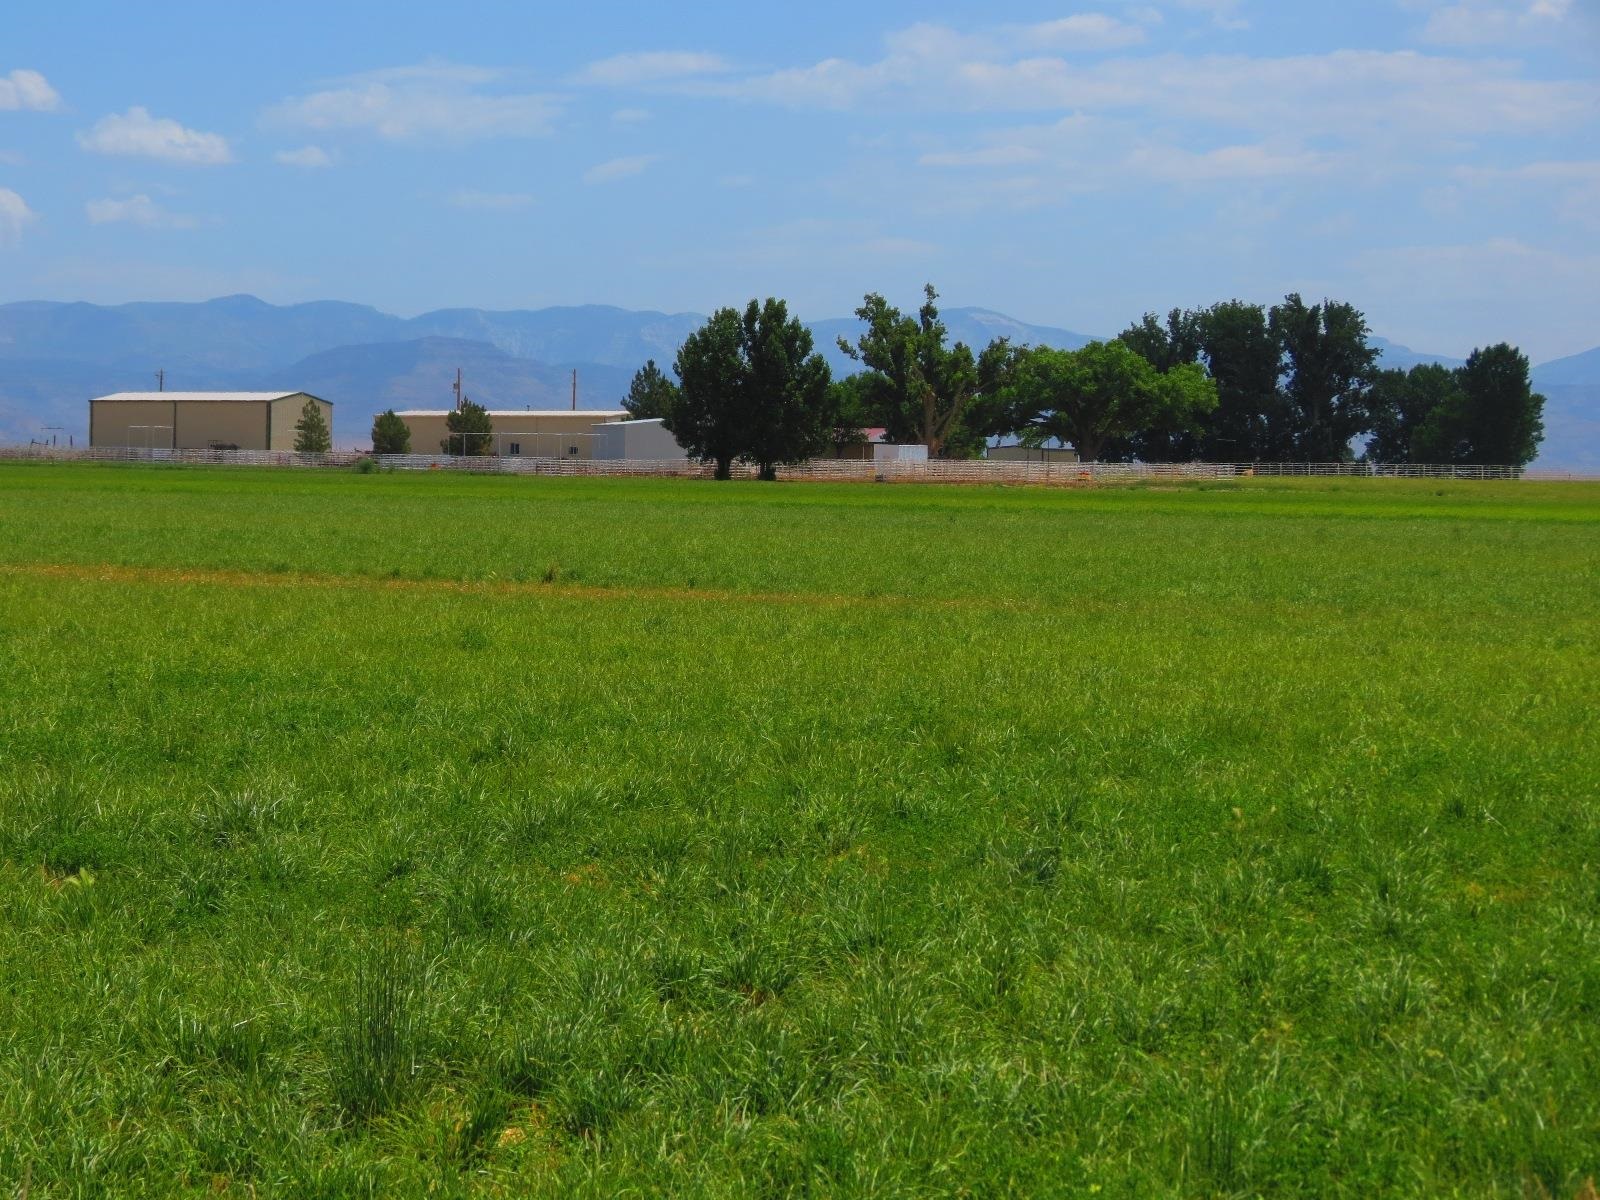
(970, 471)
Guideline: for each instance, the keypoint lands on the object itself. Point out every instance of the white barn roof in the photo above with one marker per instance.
(206, 397)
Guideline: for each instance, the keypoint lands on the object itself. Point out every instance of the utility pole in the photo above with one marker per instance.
(161, 380)
(574, 389)
(458, 389)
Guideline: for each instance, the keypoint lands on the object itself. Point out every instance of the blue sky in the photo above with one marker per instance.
(1436, 162)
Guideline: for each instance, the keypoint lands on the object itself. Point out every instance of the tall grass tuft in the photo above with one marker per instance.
(375, 1043)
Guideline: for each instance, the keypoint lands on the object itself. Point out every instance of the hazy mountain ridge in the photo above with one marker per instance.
(54, 356)
(1392, 354)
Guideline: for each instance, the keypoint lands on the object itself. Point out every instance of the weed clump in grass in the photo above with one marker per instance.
(376, 1038)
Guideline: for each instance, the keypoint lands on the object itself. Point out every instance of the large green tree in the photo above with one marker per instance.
(917, 386)
(791, 411)
(1495, 419)
(1104, 391)
(1244, 357)
(1401, 404)
(311, 433)
(651, 394)
(1164, 345)
(390, 435)
(709, 418)
(1327, 364)
(1251, 422)
(992, 409)
(752, 387)
(1167, 344)
(469, 431)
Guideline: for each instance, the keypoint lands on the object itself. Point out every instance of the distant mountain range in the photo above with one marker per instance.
(54, 356)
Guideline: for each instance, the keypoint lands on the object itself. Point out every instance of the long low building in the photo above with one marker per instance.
(518, 432)
(200, 420)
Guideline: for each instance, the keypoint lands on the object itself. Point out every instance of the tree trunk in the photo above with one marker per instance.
(724, 467)
(768, 472)
(1088, 448)
(931, 435)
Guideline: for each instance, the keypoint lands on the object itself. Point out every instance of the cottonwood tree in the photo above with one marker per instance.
(1174, 342)
(917, 386)
(991, 410)
(1105, 390)
(1166, 344)
(651, 394)
(751, 387)
(469, 431)
(1401, 403)
(311, 433)
(390, 435)
(1244, 356)
(1327, 364)
(1495, 419)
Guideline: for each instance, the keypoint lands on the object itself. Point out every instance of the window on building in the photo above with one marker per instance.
(516, 447)
(572, 449)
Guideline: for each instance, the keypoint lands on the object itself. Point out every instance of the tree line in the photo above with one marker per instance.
(1234, 382)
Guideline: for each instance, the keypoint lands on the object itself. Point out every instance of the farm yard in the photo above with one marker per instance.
(377, 834)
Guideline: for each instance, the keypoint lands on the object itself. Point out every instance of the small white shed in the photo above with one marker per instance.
(639, 440)
(889, 452)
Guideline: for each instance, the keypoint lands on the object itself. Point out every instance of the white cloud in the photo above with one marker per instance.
(1083, 31)
(1223, 13)
(631, 116)
(1174, 164)
(436, 72)
(136, 133)
(491, 201)
(620, 168)
(309, 157)
(987, 156)
(1495, 23)
(136, 210)
(1536, 172)
(14, 215)
(27, 90)
(1353, 94)
(429, 102)
(634, 70)
(1081, 155)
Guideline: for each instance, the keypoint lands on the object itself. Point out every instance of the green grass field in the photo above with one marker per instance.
(414, 834)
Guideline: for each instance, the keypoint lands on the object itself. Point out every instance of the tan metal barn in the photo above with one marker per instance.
(518, 432)
(200, 420)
